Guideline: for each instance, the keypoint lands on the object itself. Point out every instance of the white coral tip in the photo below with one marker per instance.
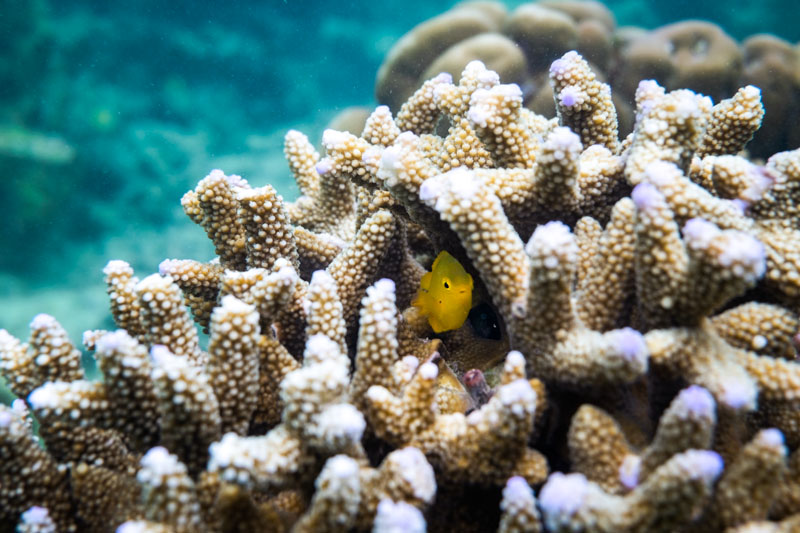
(159, 461)
(750, 91)
(553, 239)
(232, 304)
(215, 174)
(116, 266)
(165, 266)
(563, 495)
(648, 86)
(564, 139)
(321, 277)
(518, 392)
(517, 493)
(662, 173)
(19, 408)
(134, 526)
(432, 188)
(415, 469)
(382, 110)
(629, 471)
(153, 282)
(378, 394)
(744, 251)
(319, 346)
(514, 359)
(342, 421)
(335, 139)
(341, 466)
(111, 342)
(383, 288)
(399, 517)
(224, 452)
(46, 396)
(475, 65)
(738, 392)
(443, 77)
(43, 321)
(463, 183)
(428, 371)
(161, 355)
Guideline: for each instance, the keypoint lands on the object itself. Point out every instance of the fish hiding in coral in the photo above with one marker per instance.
(445, 294)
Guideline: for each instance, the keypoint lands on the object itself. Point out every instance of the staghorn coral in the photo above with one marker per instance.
(682, 485)
(634, 333)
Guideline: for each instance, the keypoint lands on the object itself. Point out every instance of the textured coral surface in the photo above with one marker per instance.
(629, 363)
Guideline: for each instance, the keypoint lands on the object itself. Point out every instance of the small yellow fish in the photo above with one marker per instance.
(445, 294)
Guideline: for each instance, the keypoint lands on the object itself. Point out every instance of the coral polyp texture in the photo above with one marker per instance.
(629, 363)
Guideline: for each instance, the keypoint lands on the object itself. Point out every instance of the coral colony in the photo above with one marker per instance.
(628, 365)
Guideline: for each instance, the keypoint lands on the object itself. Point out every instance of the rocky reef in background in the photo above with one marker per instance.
(521, 43)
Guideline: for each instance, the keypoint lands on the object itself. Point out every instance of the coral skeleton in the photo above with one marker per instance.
(629, 363)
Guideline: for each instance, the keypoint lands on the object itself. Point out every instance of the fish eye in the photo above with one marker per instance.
(484, 322)
(446, 285)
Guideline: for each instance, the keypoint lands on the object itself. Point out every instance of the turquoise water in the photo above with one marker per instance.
(110, 112)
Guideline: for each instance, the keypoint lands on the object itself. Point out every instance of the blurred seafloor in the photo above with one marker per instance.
(110, 111)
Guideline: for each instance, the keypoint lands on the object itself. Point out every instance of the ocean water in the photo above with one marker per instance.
(110, 111)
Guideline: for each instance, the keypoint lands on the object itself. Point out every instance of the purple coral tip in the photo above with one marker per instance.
(571, 96)
(698, 401)
(698, 232)
(772, 437)
(114, 340)
(707, 464)
(629, 471)
(631, 344)
(36, 516)
(517, 491)
(324, 166)
(646, 196)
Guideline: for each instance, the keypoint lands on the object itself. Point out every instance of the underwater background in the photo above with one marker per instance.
(110, 111)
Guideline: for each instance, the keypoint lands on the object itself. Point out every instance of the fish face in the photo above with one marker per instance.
(445, 294)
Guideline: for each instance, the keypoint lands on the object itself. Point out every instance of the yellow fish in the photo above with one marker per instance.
(445, 294)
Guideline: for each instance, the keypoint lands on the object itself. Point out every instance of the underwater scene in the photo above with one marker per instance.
(400, 266)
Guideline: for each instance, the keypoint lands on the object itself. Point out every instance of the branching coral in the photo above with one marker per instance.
(634, 332)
